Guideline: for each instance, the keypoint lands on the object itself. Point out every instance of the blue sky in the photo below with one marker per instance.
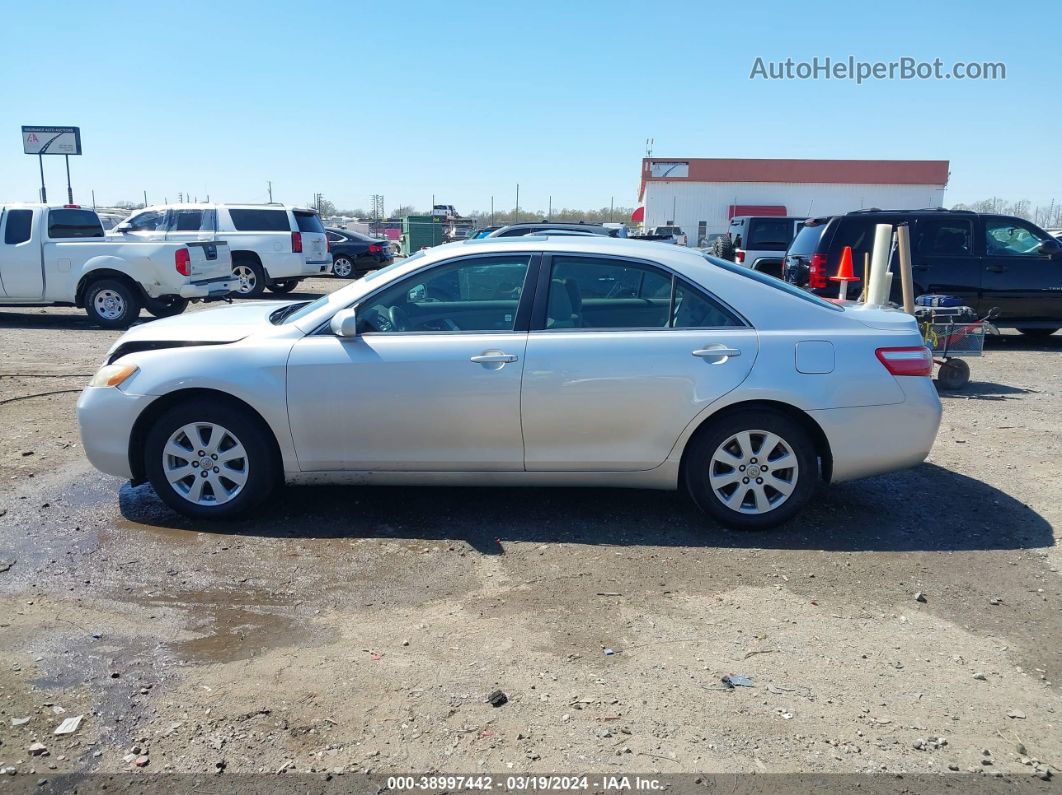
(464, 100)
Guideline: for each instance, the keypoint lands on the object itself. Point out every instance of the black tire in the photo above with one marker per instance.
(251, 275)
(112, 303)
(166, 306)
(344, 267)
(284, 286)
(723, 247)
(802, 479)
(260, 465)
(1037, 333)
(953, 374)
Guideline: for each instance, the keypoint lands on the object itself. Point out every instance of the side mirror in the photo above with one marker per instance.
(124, 226)
(345, 323)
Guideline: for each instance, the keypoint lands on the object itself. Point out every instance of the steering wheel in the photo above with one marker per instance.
(399, 319)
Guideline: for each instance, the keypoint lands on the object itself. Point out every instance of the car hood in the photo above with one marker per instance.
(226, 324)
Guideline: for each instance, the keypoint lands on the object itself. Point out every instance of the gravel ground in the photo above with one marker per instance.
(361, 629)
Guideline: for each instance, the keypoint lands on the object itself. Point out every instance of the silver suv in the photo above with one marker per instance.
(273, 245)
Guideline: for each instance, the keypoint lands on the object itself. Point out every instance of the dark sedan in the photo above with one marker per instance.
(355, 254)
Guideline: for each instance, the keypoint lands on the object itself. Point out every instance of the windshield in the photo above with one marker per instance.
(771, 281)
(293, 312)
(807, 240)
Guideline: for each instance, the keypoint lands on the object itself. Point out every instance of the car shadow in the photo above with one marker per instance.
(927, 508)
(1020, 342)
(44, 319)
(984, 390)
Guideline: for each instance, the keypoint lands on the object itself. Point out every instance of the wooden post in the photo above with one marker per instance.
(866, 275)
(903, 244)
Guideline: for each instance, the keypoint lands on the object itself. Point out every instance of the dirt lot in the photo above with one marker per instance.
(362, 629)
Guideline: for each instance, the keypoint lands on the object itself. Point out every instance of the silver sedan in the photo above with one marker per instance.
(560, 361)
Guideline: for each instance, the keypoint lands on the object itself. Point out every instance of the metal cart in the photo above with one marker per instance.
(952, 334)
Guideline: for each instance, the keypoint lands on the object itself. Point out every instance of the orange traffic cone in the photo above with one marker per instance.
(845, 273)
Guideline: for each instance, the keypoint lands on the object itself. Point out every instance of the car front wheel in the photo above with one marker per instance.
(751, 470)
(210, 460)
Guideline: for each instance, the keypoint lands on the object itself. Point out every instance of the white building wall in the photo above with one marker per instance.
(687, 203)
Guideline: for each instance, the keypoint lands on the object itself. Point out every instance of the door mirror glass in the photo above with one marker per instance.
(124, 226)
(345, 323)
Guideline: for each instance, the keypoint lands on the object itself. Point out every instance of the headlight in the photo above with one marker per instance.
(113, 375)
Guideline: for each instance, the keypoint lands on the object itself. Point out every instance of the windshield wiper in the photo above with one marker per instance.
(279, 315)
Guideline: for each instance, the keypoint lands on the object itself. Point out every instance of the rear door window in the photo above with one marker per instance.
(260, 220)
(69, 223)
(948, 237)
(17, 229)
(192, 221)
(309, 222)
(769, 234)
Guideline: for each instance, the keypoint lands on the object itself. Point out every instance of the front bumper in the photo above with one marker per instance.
(211, 289)
(871, 440)
(105, 418)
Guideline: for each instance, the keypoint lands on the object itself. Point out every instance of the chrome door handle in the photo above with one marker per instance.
(494, 358)
(716, 350)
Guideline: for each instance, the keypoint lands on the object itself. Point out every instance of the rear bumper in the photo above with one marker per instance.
(214, 288)
(871, 440)
(105, 418)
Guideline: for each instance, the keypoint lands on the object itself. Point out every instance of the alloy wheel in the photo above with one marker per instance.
(248, 278)
(205, 463)
(753, 472)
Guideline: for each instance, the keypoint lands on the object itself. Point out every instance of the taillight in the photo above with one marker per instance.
(817, 271)
(296, 243)
(906, 361)
(182, 259)
(375, 248)
(739, 256)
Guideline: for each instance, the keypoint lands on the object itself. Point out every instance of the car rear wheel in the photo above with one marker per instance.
(111, 303)
(285, 286)
(209, 460)
(166, 306)
(751, 470)
(343, 267)
(251, 277)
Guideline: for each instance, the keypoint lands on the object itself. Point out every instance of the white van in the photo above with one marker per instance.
(273, 245)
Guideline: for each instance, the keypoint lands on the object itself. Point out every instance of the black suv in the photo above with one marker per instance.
(989, 261)
(514, 230)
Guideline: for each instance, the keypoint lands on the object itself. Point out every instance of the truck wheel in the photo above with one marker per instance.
(111, 303)
(723, 247)
(251, 277)
(166, 306)
(284, 286)
(752, 469)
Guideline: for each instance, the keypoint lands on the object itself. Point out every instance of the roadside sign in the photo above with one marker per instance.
(51, 140)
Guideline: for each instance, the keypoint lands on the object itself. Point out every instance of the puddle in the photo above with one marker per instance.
(229, 626)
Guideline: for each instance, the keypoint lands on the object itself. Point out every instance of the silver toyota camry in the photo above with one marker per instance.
(545, 361)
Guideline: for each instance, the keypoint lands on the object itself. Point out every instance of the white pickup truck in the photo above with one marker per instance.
(57, 255)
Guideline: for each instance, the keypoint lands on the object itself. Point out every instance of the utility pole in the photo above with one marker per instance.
(611, 205)
(93, 200)
(516, 215)
(269, 187)
(492, 211)
(549, 214)
(145, 198)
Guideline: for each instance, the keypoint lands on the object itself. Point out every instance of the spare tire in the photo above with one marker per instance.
(723, 247)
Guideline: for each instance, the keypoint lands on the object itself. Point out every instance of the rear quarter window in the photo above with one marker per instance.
(260, 220)
(770, 234)
(68, 223)
(309, 222)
